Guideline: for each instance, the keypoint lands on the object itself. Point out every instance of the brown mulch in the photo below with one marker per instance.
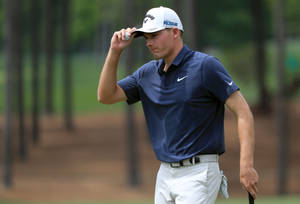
(90, 163)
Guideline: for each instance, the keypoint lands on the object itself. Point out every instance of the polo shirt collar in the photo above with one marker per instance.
(176, 62)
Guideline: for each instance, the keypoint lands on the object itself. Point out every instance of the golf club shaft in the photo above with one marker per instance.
(251, 199)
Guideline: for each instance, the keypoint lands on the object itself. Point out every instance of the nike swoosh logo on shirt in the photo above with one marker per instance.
(180, 79)
(230, 83)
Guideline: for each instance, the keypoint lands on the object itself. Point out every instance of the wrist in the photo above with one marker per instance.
(115, 51)
(246, 157)
(246, 164)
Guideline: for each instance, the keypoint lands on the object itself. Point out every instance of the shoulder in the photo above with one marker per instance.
(206, 59)
(200, 55)
(149, 67)
(212, 64)
(200, 63)
(191, 57)
(197, 58)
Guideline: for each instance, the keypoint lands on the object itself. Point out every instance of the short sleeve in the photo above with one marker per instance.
(217, 80)
(130, 87)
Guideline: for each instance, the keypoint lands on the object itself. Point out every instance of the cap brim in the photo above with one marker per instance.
(140, 32)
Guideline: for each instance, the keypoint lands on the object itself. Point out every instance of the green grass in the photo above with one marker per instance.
(86, 70)
(240, 64)
(261, 200)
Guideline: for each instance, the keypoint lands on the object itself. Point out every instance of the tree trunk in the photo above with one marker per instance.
(293, 87)
(67, 72)
(49, 49)
(19, 73)
(12, 35)
(35, 40)
(133, 162)
(260, 65)
(281, 110)
(189, 23)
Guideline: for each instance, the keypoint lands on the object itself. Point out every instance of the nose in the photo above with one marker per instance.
(148, 42)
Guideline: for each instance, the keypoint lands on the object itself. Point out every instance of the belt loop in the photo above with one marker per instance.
(193, 161)
(181, 163)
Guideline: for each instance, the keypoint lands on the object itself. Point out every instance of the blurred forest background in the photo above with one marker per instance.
(52, 51)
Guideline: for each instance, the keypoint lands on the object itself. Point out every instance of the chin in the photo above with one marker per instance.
(157, 57)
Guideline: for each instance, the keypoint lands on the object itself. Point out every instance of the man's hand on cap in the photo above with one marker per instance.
(121, 39)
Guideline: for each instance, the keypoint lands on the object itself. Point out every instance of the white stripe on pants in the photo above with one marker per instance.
(196, 184)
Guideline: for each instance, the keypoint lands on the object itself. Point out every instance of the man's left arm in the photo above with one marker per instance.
(245, 123)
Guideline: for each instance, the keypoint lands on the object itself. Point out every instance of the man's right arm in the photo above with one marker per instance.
(109, 91)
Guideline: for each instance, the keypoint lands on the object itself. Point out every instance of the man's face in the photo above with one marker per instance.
(160, 43)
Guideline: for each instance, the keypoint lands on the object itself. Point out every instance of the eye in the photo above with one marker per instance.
(154, 35)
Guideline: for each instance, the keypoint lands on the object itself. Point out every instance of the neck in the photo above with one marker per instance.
(169, 59)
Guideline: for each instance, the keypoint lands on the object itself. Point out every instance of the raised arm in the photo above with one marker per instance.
(245, 122)
(109, 91)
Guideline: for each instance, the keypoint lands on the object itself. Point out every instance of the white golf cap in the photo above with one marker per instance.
(157, 19)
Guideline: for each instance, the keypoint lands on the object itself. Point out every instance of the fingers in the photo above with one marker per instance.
(122, 34)
(253, 191)
(251, 188)
(121, 40)
(125, 34)
(249, 182)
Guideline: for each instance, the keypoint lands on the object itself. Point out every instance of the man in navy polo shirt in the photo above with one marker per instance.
(183, 93)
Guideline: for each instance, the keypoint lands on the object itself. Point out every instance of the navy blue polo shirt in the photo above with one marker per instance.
(184, 107)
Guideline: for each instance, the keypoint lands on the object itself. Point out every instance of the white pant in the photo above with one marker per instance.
(196, 184)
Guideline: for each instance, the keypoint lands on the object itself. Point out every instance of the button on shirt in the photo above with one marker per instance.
(183, 107)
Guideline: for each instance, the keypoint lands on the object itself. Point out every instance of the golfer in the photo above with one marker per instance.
(183, 94)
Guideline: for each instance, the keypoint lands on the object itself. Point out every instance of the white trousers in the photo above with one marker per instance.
(196, 184)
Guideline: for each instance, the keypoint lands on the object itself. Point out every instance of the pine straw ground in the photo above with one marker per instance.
(89, 163)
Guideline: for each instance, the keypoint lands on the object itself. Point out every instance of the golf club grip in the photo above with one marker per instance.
(251, 199)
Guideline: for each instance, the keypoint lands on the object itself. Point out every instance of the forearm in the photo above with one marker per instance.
(108, 90)
(248, 175)
(247, 140)
(107, 86)
(245, 124)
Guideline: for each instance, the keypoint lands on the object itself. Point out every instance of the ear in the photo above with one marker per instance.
(176, 32)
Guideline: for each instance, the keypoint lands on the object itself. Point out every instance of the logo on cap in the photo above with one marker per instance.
(170, 23)
(147, 17)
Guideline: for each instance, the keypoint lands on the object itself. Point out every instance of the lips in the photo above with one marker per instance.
(153, 50)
